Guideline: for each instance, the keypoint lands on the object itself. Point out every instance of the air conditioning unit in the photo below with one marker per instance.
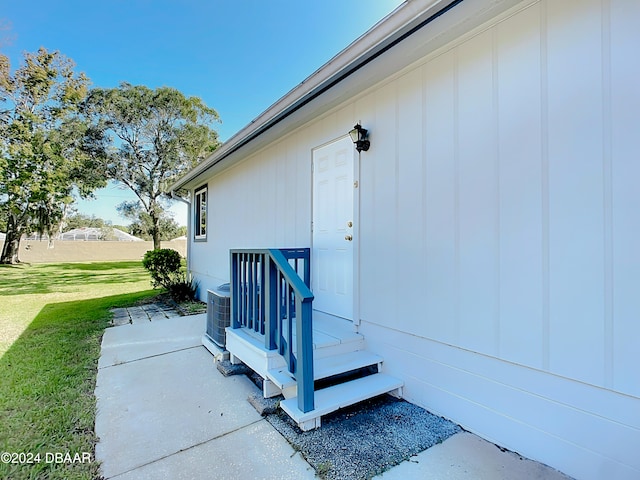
(218, 314)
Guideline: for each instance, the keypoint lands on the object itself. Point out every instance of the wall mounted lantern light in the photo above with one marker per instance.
(359, 137)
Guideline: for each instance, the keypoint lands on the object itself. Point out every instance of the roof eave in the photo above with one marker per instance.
(399, 24)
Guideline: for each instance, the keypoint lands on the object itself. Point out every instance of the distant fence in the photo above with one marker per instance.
(38, 251)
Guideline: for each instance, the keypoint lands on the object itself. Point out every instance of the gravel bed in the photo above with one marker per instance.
(362, 441)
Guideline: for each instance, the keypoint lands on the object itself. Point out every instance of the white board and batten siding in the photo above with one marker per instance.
(500, 267)
(498, 228)
(265, 200)
(262, 202)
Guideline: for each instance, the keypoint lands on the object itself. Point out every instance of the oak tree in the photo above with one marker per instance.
(46, 146)
(155, 136)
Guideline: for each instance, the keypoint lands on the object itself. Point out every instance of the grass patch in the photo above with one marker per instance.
(192, 307)
(67, 277)
(51, 330)
(186, 307)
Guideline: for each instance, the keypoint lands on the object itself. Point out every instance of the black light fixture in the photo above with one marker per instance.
(359, 137)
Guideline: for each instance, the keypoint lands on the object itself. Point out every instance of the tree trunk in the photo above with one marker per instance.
(11, 245)
(155, 232)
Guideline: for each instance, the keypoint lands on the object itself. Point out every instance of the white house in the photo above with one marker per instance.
(484, 251)
(96, 234)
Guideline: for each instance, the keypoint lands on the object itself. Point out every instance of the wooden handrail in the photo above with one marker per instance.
(300, 288)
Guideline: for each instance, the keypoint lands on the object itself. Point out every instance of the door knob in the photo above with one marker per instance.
(349, 224)
(348, 237)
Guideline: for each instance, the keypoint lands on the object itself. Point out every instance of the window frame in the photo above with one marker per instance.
(198, 225)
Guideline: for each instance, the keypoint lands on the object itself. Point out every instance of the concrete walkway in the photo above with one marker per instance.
(165, 412)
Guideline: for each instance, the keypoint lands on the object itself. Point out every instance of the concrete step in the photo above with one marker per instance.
(323, 367)
(339, 396)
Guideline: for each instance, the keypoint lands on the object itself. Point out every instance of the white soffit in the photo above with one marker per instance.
(395, 42)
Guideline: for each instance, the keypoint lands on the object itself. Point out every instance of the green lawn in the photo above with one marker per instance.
(52, 317)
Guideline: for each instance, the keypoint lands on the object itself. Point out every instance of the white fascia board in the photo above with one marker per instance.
(408, 17)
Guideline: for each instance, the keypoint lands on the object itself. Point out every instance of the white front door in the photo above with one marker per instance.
(333, 206)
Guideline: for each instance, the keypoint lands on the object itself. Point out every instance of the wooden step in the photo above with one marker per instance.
(324, 368)
(339, 396)
(346, 362)
(332, 335)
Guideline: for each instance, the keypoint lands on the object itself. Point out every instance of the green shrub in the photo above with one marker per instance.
(165, 267)
(183, 291)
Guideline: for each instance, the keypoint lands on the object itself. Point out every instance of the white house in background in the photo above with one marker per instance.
(483, 253)
(95, 234)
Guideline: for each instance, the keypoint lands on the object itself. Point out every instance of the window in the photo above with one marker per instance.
(200, 223)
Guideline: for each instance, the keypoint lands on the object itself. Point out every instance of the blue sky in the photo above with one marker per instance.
(239, 56)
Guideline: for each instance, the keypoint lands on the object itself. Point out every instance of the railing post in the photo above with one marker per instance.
(307, 267)
(248, 291)
(304, 374)
(262, 279)
(271, 298)
(235, 323)
(241, 289)
(288, 315)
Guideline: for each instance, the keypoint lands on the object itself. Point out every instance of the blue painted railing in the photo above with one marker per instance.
(270, 295)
